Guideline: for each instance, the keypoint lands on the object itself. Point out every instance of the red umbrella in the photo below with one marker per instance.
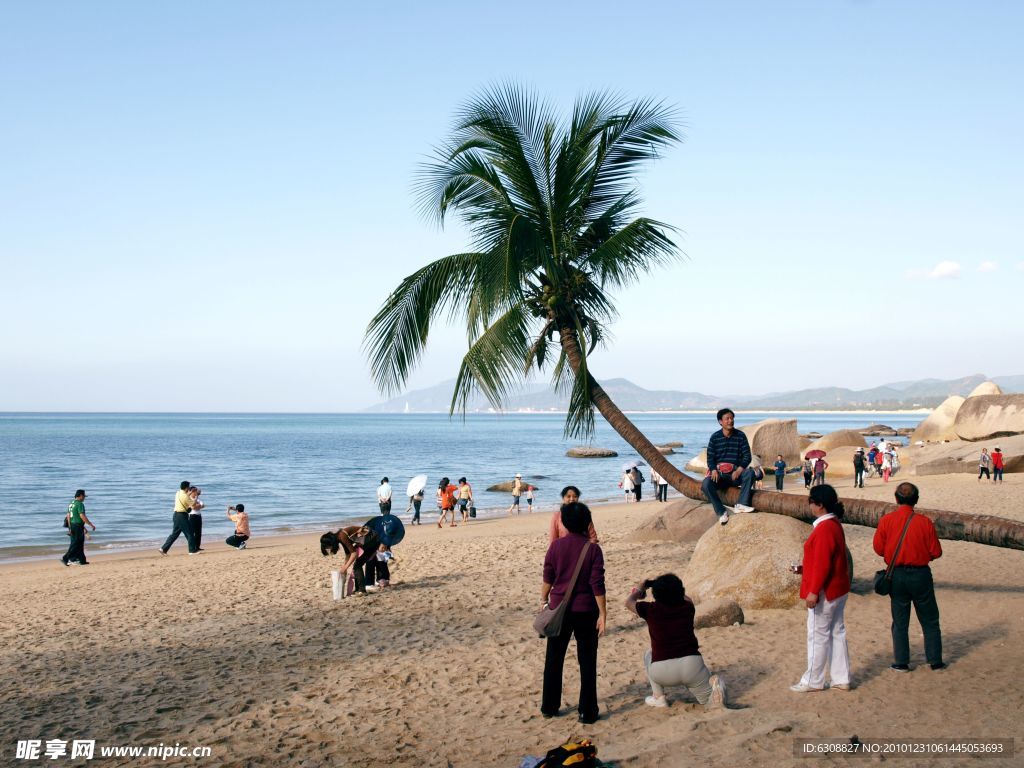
(817, 453)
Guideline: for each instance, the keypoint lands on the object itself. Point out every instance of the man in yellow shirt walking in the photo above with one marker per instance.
(182, 505)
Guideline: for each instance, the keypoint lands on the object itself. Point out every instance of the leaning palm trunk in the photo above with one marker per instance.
(955, 526)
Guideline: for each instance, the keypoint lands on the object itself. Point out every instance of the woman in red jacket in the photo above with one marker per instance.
(824, 587)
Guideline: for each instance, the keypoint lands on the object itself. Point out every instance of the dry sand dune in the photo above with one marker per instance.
(246, 653)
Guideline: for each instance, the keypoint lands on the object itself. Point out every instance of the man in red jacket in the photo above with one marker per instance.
(911, 577)
(824, 587)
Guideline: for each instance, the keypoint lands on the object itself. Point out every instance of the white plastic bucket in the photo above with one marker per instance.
(336, 585)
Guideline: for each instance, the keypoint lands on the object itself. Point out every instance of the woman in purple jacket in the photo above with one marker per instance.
(586, 615)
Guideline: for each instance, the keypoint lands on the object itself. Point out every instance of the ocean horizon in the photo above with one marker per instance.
(308, 471)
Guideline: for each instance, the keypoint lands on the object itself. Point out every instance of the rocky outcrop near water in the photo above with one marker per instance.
(747, 561)
(590, 452)
(989, 416)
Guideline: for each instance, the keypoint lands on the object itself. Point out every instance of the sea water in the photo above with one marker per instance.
(308, 471)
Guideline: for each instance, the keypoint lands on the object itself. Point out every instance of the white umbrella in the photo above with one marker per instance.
(631, 464)
(416, 485)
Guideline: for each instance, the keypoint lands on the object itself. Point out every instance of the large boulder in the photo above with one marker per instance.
(986, 388)
(506, 487)
(987, 416)
(771, 437)
(841, 438)
(683, 522)
(698, 463)
(717, 613)
(590, 452)
(748, 561)
(939, 424)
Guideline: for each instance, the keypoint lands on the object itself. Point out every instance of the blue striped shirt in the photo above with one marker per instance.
(733, 450)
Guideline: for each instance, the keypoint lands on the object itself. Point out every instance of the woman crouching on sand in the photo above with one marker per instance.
(673, 658)
(360, 544)
(585, 617)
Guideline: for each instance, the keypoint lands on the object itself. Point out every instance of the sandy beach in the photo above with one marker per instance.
(246, 653)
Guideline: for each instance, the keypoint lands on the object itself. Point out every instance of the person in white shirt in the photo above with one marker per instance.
(384, 497)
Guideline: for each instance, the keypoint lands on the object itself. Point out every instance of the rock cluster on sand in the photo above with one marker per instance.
(683, 522)
(988, 416)
(590, 452)
(748, 561)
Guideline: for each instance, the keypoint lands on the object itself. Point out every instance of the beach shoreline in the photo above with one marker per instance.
(245, 652)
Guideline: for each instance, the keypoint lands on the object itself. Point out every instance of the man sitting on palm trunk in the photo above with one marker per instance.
(728, 466)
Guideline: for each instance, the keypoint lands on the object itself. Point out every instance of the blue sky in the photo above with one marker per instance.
(204, 203)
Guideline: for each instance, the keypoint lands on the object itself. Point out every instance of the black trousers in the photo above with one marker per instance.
(662, 491)
(235, 539)
(779, 479)
(914, 586)
(385, 507)
(76, 549)
(858, 477)
(638, 491)
(416, 511)
(807, 479)
(584, 627)
(181, 526)
(196, 523)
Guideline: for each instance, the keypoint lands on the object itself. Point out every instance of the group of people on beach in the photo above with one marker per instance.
(574, 571)
(186, 520)
(632, 483)
(992, 460)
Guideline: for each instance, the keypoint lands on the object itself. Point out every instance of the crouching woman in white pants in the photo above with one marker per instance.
(824, 587)
(674, 658)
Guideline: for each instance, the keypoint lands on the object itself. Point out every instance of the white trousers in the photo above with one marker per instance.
(826, 643)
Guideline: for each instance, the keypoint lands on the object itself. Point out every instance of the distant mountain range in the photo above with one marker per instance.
(926, 393)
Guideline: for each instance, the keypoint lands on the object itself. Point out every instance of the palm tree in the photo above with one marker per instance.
(552, 209)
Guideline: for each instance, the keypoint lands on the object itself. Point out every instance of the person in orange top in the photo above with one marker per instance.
(911, 577)
(824, 587)
(446, 499)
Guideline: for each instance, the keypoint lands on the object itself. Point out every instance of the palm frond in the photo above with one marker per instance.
(493, 365)
(397, 334)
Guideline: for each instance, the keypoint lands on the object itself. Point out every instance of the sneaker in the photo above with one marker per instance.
(718, 697)
(197, 552)
(724, 518)
(803, 688)
(840, 686)
(241, 545)
(162, 552)
(373, 588)
(941, 665)
(80, 562)
(742, 508)
(65, 562)
(899, 667)
(656, 701)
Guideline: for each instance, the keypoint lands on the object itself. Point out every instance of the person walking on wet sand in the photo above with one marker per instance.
(517, 491)
(77, 520)
(180, 522)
